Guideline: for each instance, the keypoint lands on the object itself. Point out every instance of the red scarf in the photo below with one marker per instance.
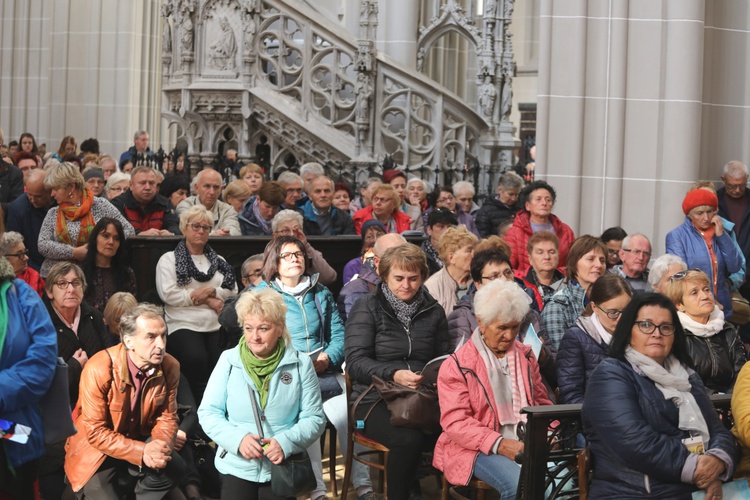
(708, 237)
(71, 212)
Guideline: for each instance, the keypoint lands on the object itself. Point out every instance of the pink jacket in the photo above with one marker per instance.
(469, 425)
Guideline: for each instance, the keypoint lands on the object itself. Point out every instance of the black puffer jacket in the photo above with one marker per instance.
(492, 213)
(376, 343)
(717, 359)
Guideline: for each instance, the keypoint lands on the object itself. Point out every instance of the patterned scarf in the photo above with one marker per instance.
(6, 280)
(186, 269)
(260, 370)
(265, 225)
(404, 312)
(71, 212)
(431, 252)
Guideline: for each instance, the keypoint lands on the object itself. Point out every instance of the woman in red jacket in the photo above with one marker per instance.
(385, 207)
(482, 388)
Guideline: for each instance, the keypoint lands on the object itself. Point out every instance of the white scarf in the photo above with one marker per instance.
(672, 380)
(715, 323)
(302, 286)
(604, 334)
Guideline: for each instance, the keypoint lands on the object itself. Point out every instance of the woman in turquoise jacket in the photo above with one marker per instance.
(28, 355)
(266, 367)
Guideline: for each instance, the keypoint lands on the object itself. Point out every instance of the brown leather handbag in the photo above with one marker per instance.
(413, 408)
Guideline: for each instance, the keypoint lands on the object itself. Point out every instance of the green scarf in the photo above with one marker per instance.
(6, 275)
(260, 370)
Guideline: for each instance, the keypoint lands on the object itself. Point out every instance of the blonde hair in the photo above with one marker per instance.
(675, 289)
(89, 157)
(251, 168)
(62, 175)
(118, 304)
(196, 213)
(267, 304)
(453, 239)
(237, 189)
(408, 257)
(391, 191)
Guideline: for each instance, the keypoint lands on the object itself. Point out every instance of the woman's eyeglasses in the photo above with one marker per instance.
(611, 313)
(681, 275)
(195, 226)
(19, 255)
(287, 256)
(647, 327)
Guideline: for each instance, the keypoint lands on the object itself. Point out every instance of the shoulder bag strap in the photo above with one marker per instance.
(256, 411)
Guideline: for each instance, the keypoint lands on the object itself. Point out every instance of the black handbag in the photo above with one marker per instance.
(294, 476)
(57, 419)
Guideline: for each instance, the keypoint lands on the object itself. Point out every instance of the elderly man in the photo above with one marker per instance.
(309, 172)
(208, 186)
(108, 165)
(127, 415)
(294, 186)
(149, 212)
(321, 218)
(734, 203)
(139, 148)
(634, 254)
(502, 207)
(27, 212)
(251, 271)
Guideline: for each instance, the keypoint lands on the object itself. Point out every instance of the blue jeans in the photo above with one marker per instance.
(500, 472)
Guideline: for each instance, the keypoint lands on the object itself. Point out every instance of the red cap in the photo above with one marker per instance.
(699, 198)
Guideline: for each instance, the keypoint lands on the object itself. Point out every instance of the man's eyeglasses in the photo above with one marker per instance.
(287, 256)
(19, 255)
(253, 274)
(681, 275)
(197, 227)
(64, 284)
(734, 187)
(637, 253)
(647, 327)
(611, 313)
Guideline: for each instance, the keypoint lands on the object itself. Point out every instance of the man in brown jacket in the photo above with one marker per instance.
(126, 414)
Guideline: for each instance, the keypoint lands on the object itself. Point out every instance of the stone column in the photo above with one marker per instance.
(398, 25)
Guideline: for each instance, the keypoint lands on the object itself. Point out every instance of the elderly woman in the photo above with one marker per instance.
(464, 193)
(392, 334)
(647, 416)
(662, 271)
(281, 381)
(443, 197)
(118, 183)
(451, 283)
(193, 281)
(385, 207)
(587, 262)
(252, 175)
(502, 207)
(543, 276)
(236, 194)
(479, 413)
(416, 193)
(714, 348)
(586, 343)
(342, 197)
(67, 227)
(13, 249)
(105, 265)
(80, 327)
(538, 199)
(257, 214)
(702, 243)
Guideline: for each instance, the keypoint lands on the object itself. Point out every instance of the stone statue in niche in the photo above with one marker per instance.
(166, 45)
(507, 98)
(508, 7)
(187, 7)
(249, 27)
(487, 96)
(420, 59)
(223, 50)
(364, 92)
(490, 7)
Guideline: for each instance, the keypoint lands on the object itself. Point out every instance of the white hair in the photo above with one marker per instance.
(9, 240)
(462, 187)
(311, 168)
(500, 300)
(626, 241)
(661, 265)
(289, 178)
(735, 169)
(285, 216)
(138, 134)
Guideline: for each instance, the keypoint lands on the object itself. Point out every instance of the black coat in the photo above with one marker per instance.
(11, 184)
(577, 357)
(492, 213)
(377, 343)
(92, 337)
(717, 359)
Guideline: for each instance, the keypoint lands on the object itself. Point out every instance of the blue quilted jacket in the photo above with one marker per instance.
(581, 350)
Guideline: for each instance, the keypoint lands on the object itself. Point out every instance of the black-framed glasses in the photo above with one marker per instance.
(648, 327)
(637, 253)
(681, 274)
(287, 256)
(197, 227)
(19, 255)
(253, 274)
(64, 284)
(611, 313)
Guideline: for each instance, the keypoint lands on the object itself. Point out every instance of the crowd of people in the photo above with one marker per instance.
(255, 360)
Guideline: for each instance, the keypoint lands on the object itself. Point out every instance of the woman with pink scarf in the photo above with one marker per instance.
(482, 388)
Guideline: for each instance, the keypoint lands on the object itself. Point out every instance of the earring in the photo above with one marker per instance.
(70, 195)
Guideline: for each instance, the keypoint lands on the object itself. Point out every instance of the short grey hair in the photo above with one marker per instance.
(626, 241)
(462, 187)
(116, 178)
(9, 240)
(289, 178)
(35, 175)
(196, 213)
(333, 185)
(500, 300)
(139, 133)
(661, 265)
(286, 216)
(311, 168)
(205, 171)
(510, 181)
(427, 185)
(735, 169)
(128, 327)
(258, 257)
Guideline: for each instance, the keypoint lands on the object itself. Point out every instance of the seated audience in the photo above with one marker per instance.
(118, 183)
(543, 276)
(385, 208)
(128, 396)
(342, 196)
(105, 265)
(437, 223)
(321, 218)
(108, 165)
(294, 186)
(538, 198)
(479, 414)
(464, 193)
(502, 207)
(397, 179)
(714, 348)
(371, 231)
(587, 263)
(642, 442)
(118, 305)
(612, 239)
(68, 147)
(94, 177)
(416, 193)
(292, 410)
(663, 269)
(586, 343)
(252, 271)
(208, 185)
(27, 212)
(175, 189)
(449, 285)
(259, 210)
(634, 255)
(148, 212)
(252, 175)
(236, 193)
(193, 281)
(26, 162)
(364, 199)
(376, 345)
(442, 197)
(67, 227)
(15, 252)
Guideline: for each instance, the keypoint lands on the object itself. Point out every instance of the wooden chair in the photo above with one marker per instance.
(373, 449)
(475, 484)
(332, 437)
(584, 472)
